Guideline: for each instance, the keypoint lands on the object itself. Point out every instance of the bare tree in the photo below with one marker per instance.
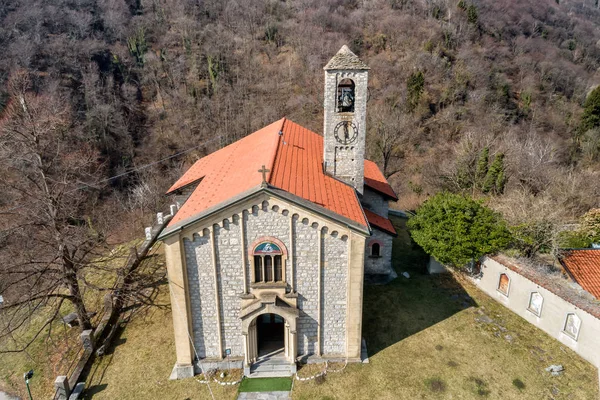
(52, 233)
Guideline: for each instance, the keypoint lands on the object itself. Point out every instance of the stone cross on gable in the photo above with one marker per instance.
(264, 171)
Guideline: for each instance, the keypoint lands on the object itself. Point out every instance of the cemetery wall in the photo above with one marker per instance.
(554, 311)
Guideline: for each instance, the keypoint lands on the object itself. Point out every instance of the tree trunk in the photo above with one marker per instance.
(73, 285)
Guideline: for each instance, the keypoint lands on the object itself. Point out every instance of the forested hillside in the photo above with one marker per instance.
(483, 96)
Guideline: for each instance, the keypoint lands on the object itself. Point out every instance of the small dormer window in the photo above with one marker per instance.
(345, 96)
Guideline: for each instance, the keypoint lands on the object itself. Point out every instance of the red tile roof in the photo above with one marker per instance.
(380, 222)
(295, 160)
(228, 172)
(298, 169)
(375, 180)
(584, 266)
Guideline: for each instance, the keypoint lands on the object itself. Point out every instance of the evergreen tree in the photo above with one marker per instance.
(500, 182)
(472, 14)
(591, 112)
(482, 166)
(414, 86)
(456, 229)
(494, 171)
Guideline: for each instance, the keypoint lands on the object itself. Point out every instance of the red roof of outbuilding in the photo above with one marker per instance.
(584, 266)
(375, 180)
(380, 222)
(295, 160)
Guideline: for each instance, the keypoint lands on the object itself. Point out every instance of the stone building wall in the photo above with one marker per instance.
(307, 274)
(266, 220)
(373, 201)
(198, 255)
(383, 264)
(335, 274)
(231, 284)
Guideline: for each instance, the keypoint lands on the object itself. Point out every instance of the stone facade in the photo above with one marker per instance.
(373, 201)
(335, 275)
(345, 161)
(215, 320)
(381, 265)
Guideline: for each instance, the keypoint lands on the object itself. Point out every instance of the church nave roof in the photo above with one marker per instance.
(294, 159)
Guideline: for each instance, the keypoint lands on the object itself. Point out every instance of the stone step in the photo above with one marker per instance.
(271, 367)
(270, 374)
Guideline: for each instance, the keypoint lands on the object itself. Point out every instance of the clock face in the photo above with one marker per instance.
(345, 132)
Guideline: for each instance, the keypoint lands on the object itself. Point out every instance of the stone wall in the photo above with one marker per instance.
(553, 312)
(334, 277)
(231, 284)
(307, 273)
(198, 256)
(379, 265)
(373, 201)
(265, 220)
(351, 168)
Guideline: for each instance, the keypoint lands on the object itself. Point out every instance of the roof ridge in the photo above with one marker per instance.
(273, 157)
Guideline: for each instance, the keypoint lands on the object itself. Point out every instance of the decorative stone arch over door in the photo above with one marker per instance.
(269, 305)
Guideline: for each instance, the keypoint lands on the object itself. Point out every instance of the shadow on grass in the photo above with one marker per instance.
(405, 307)
(95, 375)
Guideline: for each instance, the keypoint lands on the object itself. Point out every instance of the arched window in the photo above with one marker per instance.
(376, 250)
(535, 303)
(503, 284)
(268, 263)
(572, 325)
(345, 96)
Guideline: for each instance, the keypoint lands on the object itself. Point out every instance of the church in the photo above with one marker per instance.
(274, 237)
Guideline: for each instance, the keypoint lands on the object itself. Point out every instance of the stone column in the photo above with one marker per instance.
(356, 256)
(293, 345)
(286, 341)
(178, 289)
(320, 290)
(246, 350)
(213, 242)
(244, 251)
(291, 254)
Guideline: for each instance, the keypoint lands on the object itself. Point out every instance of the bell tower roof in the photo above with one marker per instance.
(347, 60)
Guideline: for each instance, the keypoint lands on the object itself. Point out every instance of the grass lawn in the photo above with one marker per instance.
(429, 337)
(266, 385)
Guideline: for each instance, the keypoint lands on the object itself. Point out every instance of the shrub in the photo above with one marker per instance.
(456, 229)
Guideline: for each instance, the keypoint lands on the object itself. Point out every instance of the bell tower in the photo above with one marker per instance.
(344, 127)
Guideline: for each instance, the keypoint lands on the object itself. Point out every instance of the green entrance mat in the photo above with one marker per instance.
(266, 384)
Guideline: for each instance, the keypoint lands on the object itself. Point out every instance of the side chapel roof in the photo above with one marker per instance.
(584, 267)
(294, 159)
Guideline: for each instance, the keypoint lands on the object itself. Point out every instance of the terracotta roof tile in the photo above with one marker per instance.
(380, 222)
(228, 172)
(298, 169)
(295, 160)
(584, 266)
(376, 181)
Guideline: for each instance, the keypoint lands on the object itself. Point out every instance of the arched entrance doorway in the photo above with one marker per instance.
(270, 329)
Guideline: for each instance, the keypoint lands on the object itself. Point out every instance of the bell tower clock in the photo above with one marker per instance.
(344, 127)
